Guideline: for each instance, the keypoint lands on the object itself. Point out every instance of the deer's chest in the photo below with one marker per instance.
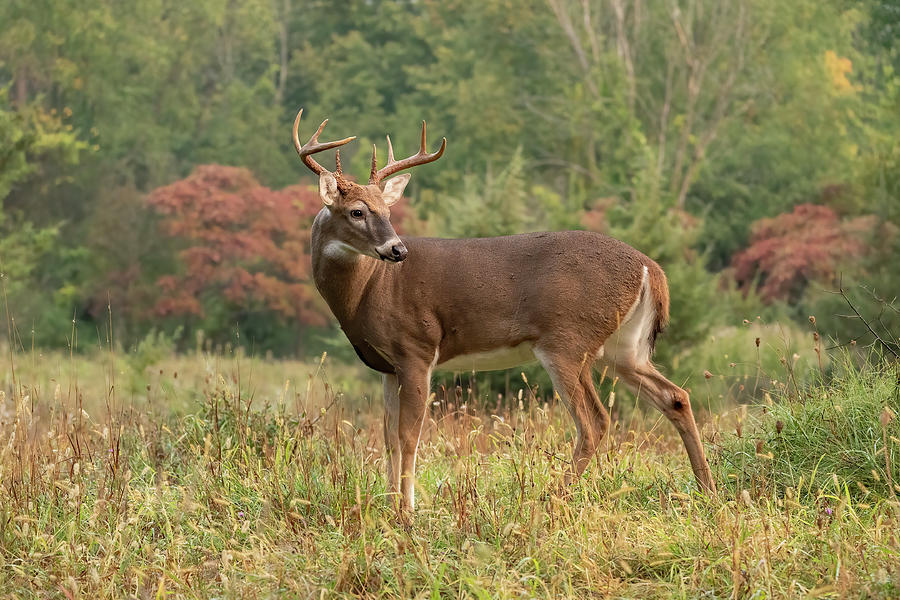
(371, 358)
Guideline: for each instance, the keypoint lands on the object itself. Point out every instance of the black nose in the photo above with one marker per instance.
(399, 252)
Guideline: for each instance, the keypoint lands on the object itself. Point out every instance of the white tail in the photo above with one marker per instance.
(571, 300)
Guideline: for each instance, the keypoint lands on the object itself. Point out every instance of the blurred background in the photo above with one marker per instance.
(151, 197)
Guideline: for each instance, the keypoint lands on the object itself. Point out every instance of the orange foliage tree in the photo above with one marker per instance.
(809, 244)
(245, 248)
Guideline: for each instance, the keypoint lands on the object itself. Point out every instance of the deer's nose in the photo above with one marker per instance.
(399, 252)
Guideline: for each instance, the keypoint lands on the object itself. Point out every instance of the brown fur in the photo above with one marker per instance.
(477, 295)
(562, 293)
(408, 305)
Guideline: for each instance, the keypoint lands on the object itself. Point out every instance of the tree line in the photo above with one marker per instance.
(147, 179)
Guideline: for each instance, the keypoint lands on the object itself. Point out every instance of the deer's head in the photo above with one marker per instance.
(359, 215)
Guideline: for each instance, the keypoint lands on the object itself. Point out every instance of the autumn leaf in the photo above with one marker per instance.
(241, 242)
(790, 250)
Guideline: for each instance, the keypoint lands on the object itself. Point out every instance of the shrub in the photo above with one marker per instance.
(809, 244)
(839, 436)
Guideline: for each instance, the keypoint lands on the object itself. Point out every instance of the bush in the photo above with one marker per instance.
(838, 436)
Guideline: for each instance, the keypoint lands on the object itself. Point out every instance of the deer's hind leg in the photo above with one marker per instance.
(675, 404)
(595, 408)
(627, 351)
(572, 381)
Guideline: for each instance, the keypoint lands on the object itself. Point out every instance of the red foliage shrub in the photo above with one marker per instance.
(809, 244)
(243, 242)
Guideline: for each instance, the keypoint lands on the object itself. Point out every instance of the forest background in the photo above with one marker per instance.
(149, 189)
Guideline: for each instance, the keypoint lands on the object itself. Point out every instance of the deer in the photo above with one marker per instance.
(572, 300)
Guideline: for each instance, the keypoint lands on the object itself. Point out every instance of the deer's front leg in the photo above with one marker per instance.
(392, 451)
(415, 382)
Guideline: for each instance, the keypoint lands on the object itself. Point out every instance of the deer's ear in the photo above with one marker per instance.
(328, 189)
(393, 189)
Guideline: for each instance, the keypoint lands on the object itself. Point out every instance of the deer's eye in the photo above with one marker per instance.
(356, 213)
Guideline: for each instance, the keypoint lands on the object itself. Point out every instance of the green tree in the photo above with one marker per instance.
(31, 143)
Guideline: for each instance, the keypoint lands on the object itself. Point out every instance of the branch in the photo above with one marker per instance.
(589, 30)
(886, 345)
(624, 48)
(664, 120)
(723, 38)
(562, 17)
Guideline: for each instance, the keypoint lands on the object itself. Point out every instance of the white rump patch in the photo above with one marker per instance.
(630, 343)
(492, 360)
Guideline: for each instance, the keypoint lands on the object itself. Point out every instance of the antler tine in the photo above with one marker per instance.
(373, 172)
(390, 150)
(394, 166)
(313, 145)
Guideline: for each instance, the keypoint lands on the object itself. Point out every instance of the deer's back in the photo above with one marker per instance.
(503, 291)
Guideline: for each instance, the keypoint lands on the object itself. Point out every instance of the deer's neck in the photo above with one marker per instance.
(342, 276)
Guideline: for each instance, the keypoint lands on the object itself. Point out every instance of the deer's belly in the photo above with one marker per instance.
(493, 360)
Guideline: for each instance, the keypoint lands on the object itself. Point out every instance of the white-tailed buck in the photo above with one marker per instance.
(572, 300)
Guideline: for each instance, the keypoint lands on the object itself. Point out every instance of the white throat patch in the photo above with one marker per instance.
(338, 250)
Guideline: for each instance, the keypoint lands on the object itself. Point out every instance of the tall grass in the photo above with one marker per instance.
(222, 479)
(842, 435)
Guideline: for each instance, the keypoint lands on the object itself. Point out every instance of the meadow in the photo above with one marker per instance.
(152, 474)
(171, 427)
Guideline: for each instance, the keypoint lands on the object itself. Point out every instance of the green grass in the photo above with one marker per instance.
(842, 435)
(256, 479)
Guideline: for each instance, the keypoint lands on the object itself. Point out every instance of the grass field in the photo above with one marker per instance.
(202, 476)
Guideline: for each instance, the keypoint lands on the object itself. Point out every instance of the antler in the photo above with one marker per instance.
(313, 146)
(393, 166)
